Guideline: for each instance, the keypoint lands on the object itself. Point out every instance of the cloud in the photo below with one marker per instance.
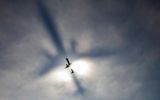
(127, 31)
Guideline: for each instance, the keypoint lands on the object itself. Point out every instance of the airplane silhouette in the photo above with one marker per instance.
(68, 65)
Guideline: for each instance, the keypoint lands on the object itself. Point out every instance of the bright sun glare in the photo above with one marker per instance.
(81, 67)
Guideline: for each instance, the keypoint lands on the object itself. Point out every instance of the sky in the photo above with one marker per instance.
(113, 45)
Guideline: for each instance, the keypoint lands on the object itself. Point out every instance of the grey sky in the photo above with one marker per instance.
(119, 38)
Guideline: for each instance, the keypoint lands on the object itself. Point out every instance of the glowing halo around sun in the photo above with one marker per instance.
(81, 67)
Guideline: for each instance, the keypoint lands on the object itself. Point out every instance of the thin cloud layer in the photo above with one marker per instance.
(120, 40)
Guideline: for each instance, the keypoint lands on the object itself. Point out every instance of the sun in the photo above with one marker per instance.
(81, 67)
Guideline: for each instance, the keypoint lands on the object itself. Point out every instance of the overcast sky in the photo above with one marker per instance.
(118, 41)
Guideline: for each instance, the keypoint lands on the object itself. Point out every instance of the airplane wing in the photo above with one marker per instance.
(68, 61)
